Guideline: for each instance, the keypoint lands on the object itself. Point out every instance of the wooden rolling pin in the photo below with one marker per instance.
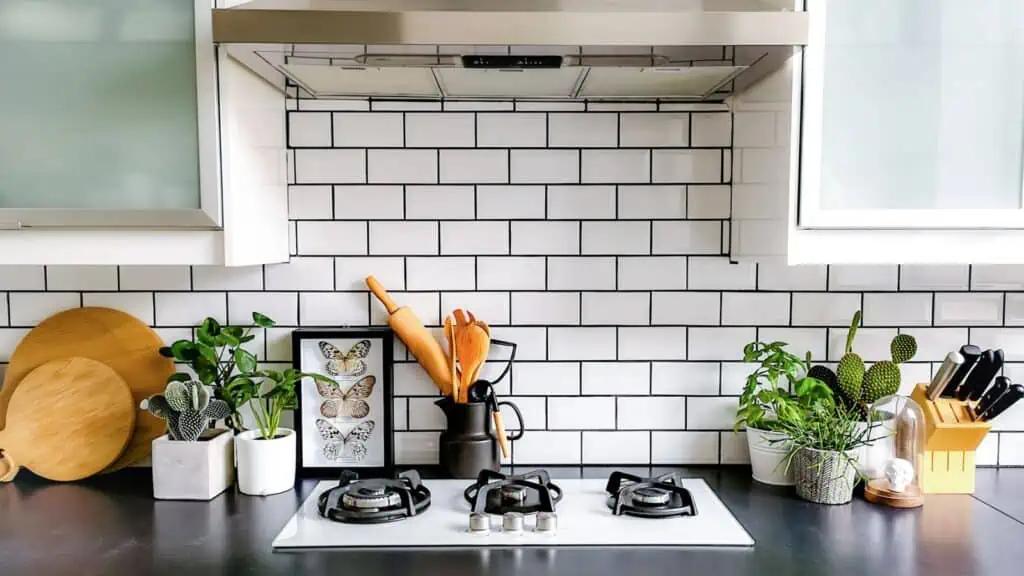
(416, 338)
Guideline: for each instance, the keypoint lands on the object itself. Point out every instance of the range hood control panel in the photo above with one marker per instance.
(503, 62)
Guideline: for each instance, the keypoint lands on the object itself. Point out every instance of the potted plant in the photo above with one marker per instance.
(823, 453)
(777, 392)
(192, 461)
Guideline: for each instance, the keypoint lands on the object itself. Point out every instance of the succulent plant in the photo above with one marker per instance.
(826, 375)
(850, 370)
(859, 386)
(188, 409)
(903, 347)
(883, 379)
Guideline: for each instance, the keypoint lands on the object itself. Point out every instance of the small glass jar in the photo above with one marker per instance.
(895, 455)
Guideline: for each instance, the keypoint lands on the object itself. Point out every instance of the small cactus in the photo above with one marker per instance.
(188, 409)
(903, 347)
(883, 379)
(850, 370)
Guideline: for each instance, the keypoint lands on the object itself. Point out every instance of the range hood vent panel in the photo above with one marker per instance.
(466, 83)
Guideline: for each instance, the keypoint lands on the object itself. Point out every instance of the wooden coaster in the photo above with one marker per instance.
(877, 491)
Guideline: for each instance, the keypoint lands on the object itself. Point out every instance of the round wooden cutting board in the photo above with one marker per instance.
(111, 337)
(68, 419)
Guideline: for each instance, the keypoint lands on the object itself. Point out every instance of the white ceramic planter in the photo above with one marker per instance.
(266, 466)
(193, 470)
(767, 459)
(873, 457)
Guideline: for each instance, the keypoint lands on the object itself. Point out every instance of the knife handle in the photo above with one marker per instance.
(983, 373)
(944, 374)
(1015, 393)
(1002, 385)
(979, 388)
(971, 353)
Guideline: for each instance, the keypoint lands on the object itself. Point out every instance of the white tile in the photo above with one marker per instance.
(871, 344)
(708, 202)
(510, 273)
(649, 130)
(711, 413)
(753, 129)
(282, 307)
(811, 309)
(439, 202)
(301, 274)
(439, 130)
(689, 378)
(581, 343)
(81, 278)
(685, 308)
(367, 130)
(329, 238)
(917, 277)
(545, 238)
(412, 380)
(426, 306)
(548, 448)
(687, 166)
(582, 130)
(483, 105)
(351, 273)
(913, 374)
(334, 309)
(546, 378)
(183, 308)
(400, 413)
(755, 308)
(172, 335)
(652, 273)
(32, 278)
(618, 237)
(545, 166)
(720, 274)
(735, 449)
(581, 413)
(509, 202)
(1011, 449)
(776, 276)
(474, 166)
(616, 378)
(316, 166)
(597, 106)
(402, 166)
(759, 202)
(621, 166)
(531, 343)
(799, 340)
(424, 415)
(227, 278)
(934, 343)
(368, 203)
(9, 338)
(616, 447)
(474, 237)
(712, 129)
(964, 309)
(403, 238)
(897, 309)
(654, 343)
(687, 237)
(1009, 339)
(581, 202)
(761, 165)
(1010, 421)
(528, 130)
(279, 344)
(581, 273)
(616, 308)
(440, 274)
(293, 239)
(987, 453)
(309, 129)
(734, 375)
(533, 409)
(310, 202)
(405, 105)
(490, 307)
(675, 448)
(417, 448)
(719, 343)
(997, 277)
(546, 308)
(549, 106)
(1015, 309)
(652, 202)
(346, 105)
(843, 277)
(651, 413)
(138, 304)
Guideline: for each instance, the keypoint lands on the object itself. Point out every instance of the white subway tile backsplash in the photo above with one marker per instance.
(334, 309)
(616, 378)
(282, 307)
(581, 343)
(309, 129)
(1011, 449)
(652, 273)
(368, 203)
(171, 308)
(1011, 340)
(652, 343)
(710, 413)
(332, 238)
(439, 130)
(844, 278)
(138, 304)
(366, 130)
(997, 277)
(775, 276)
(526, 130)
(967, 309)
(417, 448)
(491, 307)
(897, 309)
(582, 130)
(474, 166)
(755, 308)
(718, 343)
(424, 415)
(651, 413)
(800, 340)
(734, 447)
(687, 237)
(987, 453)
(712, 129)
(532, 342)
(426, 306)
(402, 166)
(581, 273)
(227, 278)
(546, 379)
(510, 202)
(916, 277)
(616, 447)
(350, 273)
(34, 277)
(686, 308)
(810, 309)
(1014, 313)
(554, 238)
(754, 129)
(300, 273)
(708, 202)
(82, 278)
(534, 410)
(687, 166)
(685, 378)
(934, 343)
(581, 202)
(720, 274)
(131, 277)
(398, 238)
(652, 202)
(616, 308)
(620, 166)
(545, 166)
(548, 448)
(644, 130)
(684, 448)
(872, 344)
(510, 273)
(618, 237)
(546, 308)
(581, 413)
(326, 166)
(734, 374)
(412, 380)
(477, 237)
(455, 273)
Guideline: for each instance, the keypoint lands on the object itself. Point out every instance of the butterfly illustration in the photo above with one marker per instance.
(345, 363)
(340, 446)
(351, 404)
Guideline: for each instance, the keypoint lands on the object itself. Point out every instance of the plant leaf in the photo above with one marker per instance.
(262, 321)
(245, 360)
(184, 351)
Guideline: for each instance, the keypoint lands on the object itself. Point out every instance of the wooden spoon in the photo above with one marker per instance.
(449, 334)
(474, 345)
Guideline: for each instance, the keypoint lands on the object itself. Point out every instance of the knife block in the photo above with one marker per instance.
(951, 439)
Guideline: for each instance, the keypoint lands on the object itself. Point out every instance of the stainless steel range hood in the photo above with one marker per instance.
(689, 50)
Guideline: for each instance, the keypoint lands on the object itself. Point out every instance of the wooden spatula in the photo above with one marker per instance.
(473, 345)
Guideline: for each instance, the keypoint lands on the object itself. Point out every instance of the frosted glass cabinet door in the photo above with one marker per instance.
(913, 114)
(100, 113)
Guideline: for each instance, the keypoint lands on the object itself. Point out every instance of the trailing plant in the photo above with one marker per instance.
(188, 409)
(268, 393)
(779, 390)
(216, 356)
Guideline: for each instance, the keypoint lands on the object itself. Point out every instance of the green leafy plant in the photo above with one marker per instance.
(827, 427)
(188, 409)
(268, 393)
(779, 390)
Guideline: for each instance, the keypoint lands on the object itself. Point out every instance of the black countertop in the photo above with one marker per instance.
(112, 526)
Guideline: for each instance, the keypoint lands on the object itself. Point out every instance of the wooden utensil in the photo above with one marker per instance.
(69, 419)
(411, 332)
(449, 334)
(473, 347)
(111, 337)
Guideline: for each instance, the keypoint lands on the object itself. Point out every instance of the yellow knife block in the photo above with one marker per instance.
(951, 439)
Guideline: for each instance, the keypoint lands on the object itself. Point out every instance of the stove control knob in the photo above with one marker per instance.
(479, 523)
(547, 523)
(512, 522)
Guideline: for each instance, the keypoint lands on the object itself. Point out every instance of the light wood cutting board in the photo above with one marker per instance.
(112, 337)
(69, 419)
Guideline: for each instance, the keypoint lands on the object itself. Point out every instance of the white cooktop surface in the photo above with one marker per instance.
(584, 519)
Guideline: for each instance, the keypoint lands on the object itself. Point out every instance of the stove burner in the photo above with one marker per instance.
(374, 501)
(496, 493)
(660, 497)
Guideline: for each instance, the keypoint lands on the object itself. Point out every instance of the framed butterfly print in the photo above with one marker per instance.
(346, 423)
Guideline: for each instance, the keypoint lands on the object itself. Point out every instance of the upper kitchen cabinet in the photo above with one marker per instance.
(125, 138)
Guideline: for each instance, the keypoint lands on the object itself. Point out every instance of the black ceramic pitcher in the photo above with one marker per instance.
(470, 444)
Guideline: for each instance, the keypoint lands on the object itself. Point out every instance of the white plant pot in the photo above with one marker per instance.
(193, 470)
(873, 457)
(768, 459)
(266, 466)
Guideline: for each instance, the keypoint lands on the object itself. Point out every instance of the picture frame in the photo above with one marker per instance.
(349, 426)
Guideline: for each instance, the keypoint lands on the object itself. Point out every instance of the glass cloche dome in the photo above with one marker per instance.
(894, 460)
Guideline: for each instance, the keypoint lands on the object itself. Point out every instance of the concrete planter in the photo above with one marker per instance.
(266, 466)
(193, 470)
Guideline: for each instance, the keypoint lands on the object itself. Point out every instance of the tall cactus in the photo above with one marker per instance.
(883, 379)
(188, 409)
(850, 370)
